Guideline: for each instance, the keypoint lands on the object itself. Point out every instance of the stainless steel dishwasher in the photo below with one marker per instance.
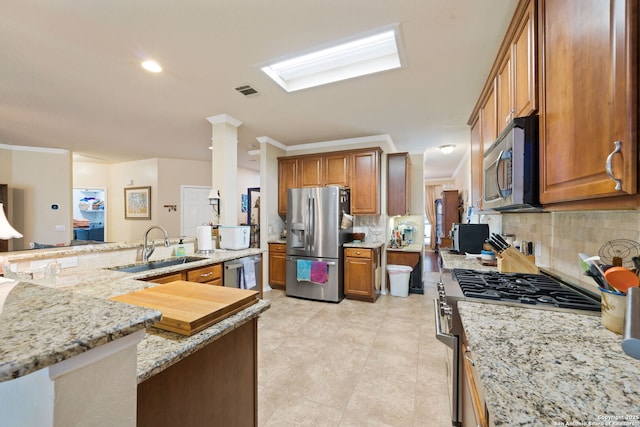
(244, 273)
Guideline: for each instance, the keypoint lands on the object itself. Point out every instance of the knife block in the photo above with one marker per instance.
(512, 261)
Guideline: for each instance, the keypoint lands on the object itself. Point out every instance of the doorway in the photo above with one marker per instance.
(89, 214)
(196, 209)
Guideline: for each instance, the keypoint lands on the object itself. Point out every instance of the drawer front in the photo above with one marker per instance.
(166, 279)
(357, 253)
(277, 247)
(209, 273)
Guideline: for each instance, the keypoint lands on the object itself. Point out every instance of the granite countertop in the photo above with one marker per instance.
(42, 326)
(543, 367)
(452, 260)
(40, 332)
(364, 245)
(413, 247)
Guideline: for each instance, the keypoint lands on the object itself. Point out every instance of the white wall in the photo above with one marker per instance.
(38, 178)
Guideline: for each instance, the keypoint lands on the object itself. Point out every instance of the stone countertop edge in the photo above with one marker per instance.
(544, 367)
(452, 260)
(79, 296)
(42, 326)
(413, 247)
(364, 245)
(160, 349)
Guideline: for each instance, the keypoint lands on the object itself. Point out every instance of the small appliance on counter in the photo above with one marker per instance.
(234, 237)
(469, 238)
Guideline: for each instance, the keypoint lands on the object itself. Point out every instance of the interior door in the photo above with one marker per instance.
(196, 209)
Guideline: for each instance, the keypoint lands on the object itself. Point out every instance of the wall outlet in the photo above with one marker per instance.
(60, 228)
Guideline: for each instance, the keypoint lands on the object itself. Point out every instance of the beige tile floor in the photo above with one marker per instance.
(352, 363)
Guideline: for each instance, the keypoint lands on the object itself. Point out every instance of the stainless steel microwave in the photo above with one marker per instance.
(510, 169)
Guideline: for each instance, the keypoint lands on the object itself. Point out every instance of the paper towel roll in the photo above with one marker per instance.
(205, 243)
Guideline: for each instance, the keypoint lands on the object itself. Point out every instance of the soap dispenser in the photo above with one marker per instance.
(180, 249)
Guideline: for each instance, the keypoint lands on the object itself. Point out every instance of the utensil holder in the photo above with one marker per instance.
(614, 307)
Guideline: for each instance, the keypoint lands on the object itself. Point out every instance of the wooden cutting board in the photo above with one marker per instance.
(189, 307)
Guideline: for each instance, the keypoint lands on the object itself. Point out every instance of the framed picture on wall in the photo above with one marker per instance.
(137, 203)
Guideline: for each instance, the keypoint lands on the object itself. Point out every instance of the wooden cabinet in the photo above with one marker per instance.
(477, 172)
(287, 178)
(504, 98)
(277, 265)
(365, 182)
(488, 123)
(211, 275)
(589, 101)
(361, 273)
(310, 172)
(450, 215)
(523, 54)
(474, 408)
(336, 169)
(358, 170)
(398, 184)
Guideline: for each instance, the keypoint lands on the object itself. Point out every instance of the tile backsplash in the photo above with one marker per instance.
(560, 236)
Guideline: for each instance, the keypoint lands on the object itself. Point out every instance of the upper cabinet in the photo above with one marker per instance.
(398, 184)
(524, 72)
(358, 170)
(476, 165)
(287, 178)
(589, 102)
(365, 182)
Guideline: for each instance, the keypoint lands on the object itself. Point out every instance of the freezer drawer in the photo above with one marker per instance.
(332, 290)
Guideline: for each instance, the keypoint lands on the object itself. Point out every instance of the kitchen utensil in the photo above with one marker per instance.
(597, 272)
(621, 278)
(636, 263)
(625, 249)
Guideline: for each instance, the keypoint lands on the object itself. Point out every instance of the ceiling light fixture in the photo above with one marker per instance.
(368, 54)
(151, 66)
(447, 149)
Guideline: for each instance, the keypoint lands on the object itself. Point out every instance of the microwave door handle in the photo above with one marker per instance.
(504, 155)
(498, 174)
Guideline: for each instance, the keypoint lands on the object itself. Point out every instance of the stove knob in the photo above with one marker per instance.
(440, 286)
(442, 297)
(447, 310)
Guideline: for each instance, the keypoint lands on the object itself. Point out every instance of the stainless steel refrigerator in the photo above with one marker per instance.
(316, 230)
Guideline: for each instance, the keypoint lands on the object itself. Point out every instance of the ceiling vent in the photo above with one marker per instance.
(247, 90)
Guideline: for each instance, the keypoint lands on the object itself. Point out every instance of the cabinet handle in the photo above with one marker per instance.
(609, 166)
(206, 274)
(466, 356)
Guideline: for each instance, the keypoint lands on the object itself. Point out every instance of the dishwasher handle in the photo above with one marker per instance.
(236, 265)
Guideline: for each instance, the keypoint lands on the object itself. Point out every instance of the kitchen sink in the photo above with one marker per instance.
(153, 265)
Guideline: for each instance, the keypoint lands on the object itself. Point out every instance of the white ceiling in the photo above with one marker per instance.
(70, 75)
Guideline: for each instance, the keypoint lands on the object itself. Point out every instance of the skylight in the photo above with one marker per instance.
(370, 54)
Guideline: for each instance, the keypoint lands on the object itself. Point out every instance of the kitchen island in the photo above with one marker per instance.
(545, 368)
(46, 325)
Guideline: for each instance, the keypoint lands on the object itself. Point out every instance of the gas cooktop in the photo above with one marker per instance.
(520, 288)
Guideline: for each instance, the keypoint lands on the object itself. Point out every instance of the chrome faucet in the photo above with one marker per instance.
(146, 251)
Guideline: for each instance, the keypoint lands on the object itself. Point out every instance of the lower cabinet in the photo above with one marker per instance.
(277, 265)
(474, 410)
(361, 273)
(211, 275)
(215, 386)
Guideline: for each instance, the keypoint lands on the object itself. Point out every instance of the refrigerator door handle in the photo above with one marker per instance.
(313, 219)
(289, 258)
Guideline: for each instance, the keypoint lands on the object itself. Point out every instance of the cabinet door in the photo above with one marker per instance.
(310, 172)
(488, 117)
(287, 178)
(476, 165)
(504, 107)
(589, 98)
(336, 169)
(211, 275)
(525, 94)
(358, 277)
(173, 277)
(277, 264)
(365, 179)
(398, 184)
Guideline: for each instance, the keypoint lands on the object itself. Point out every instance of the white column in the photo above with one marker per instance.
(224, 165)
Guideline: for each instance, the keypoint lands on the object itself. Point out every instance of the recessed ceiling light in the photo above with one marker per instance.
(368, 54)
(447, 149)
(151, 66)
